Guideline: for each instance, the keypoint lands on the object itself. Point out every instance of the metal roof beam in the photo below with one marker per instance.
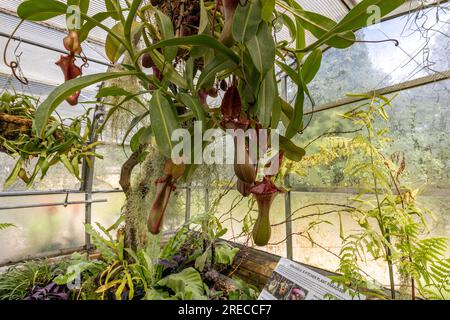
(434, 78)
(40, 45)
(50, 26)
(346, 5)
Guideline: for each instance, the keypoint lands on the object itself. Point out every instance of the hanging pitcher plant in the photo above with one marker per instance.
(184, 52)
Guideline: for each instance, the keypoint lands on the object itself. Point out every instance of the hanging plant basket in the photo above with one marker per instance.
(11, 127)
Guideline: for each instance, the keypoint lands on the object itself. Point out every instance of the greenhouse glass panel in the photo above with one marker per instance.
(419, 124)
(235, 212)
(326, 235)
(422, 51)
(107, 170)
(107, 213)
(42, 229)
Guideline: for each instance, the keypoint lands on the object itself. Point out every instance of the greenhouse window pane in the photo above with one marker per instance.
(327, 242)
(107, 213)
(107, 170)
(326, 235)
(419, 125)
(40, 230)
(39, 64)
(232, 211)
(364, 67)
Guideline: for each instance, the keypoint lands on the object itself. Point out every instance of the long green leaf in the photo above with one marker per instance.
(115, 49)
(362, 15)
(297, 118)
(266, 99)
(218, 64)
(167, 32)
(262, 49)
(163, 121)
(246, 21)
(13, 175)
(194, 104)
(131, 16)
(113, 6)
(319, 25)
(268, 7)
(291, 150)
(286, 108)
(39, 10)
(197, 40)
(89, 25)
(276, 112)
(57, 96)
(168, 70)
(312, 65)
(113, 91)
(287, 21)
(204, 20)
(134, 122)
(288, 70)
(300, 33)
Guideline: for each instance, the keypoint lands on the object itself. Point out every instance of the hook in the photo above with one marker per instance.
(18, 55)
(15, 65)
(85, 60)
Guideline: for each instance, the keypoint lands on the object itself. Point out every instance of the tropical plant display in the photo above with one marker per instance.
(195, 50)
(212, 63)
(392, 223)
(26, 279)
(191, 265)
(63, 143)
(401, 221)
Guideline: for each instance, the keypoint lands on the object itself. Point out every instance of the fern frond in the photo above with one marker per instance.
(4, 226)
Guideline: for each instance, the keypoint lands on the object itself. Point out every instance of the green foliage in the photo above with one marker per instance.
(121, 271)
(18, 281)
(164, 122)
(187, 285)
(428, 265)
(225, 254)
(244, 291)
(246, 21)
(113, 47)
(79, 265)
(261, 48)
(249, 60)
(392, 224)
(54, 99)
(40, 10)
(312, 65)
(4, 226)
(63, 142)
